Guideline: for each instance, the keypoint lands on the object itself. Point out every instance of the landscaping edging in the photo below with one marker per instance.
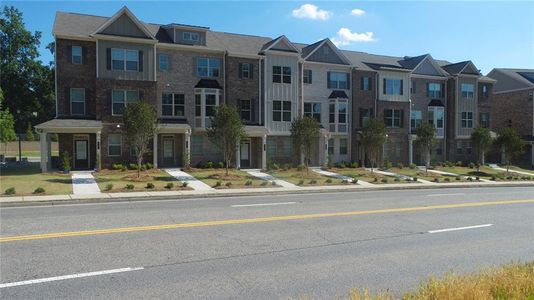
(174, 195)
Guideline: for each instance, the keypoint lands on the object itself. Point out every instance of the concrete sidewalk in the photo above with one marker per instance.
(192, 182)
(333, 175)
(496, 167)
(83, 183)
(264, 176)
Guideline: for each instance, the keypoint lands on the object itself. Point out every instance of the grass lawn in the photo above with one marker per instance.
(119, 180)
(25, 179)
(301, 178)
(485, 172)
(236, 178)
(518, 169)
(422, 174)
(367, 176)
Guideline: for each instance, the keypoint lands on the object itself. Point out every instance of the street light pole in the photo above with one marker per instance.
(18, 134)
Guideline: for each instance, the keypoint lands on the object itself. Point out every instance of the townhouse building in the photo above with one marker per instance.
(186, 71)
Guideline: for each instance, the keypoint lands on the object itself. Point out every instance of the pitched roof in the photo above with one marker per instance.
(512, 79)
(412, 62)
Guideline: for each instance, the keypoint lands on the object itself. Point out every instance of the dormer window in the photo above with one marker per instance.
(191, 36)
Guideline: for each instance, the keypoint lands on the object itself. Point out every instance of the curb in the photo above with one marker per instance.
(252, 192)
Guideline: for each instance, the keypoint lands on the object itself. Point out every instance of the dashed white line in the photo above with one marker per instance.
(263, 204)
(65, 277)
(439, 195)
(460, 228)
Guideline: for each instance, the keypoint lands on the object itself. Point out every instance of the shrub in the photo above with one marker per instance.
(184, 184)
(436, 179)
(509, 178)
(132, 166)
(286, 166)
(412, 166)
(342, 165)
(459, 163)
(149, 185)
(209, 165)
(229, 184)
(471, 165)
(389, 165)
(301, 167)
(355, 180)
(220, 165)
(130, 186)
(354, 165)
(328, 180)
(301, 182)
(493, 178)
(414, 179)
(264, 183)
(345, 181)
(218, 183)
(400, 165)
(384, 180)
(470, 178)
(10, 191)
(478, 178)
(39, 190)
(169, 185)
(275, 166)
(143, 167)
(376, 179)
(66, 161)
(397, 179)
(248, 183)
(116, 166)
(149, 166)
(273, 182)
(458, 178)
(109, 186)
(448, 164)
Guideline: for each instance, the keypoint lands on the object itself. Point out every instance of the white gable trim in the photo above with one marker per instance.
(333, 47)
(121, 12)
(285, 40)
(470, 63)
(430, 59)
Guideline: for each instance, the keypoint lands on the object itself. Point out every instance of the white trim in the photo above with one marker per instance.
(278, 40)
(81, 137)
(97, 60)
(333, 47)
(55, 75)
(244, 55)
(432, 77)
(514, 90)
(120, 145)
(190, 47)
(123, 39)
(125, 10)
(84, 101)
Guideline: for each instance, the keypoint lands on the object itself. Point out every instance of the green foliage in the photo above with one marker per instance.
(384, 180)
(471, 165)
(273, 183)
(301, 182)
(373, 136)
(29, 133)
(184, 184)
(511, 144)
(220, 164)
(301, 167)
(412, 166)
(130, 186)
(228, 184)
(109, 186)
(458, 178)
(304, 134)
(264, 183)
(459, 163)
(169, 185)
(481, 141)
(286, 166)
(149, 185)
(39, 190)
(328, 180)
(209, 165)
(397, 179)
(313, 181)
(133, 167)
(116, 166)
(354, 165)
(66, 161)
(425, 140)
(7, 123)
(415, 178)
(218, 183)
(389, 165)
(10, 191)
(447, 179)
(226, 131)
(248, 183)
(436, 179)
(54, 137)
(400, 165)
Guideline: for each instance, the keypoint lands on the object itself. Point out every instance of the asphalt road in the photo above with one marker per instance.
(264, 247)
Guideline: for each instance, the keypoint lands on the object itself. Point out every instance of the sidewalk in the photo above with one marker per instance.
(496, 167)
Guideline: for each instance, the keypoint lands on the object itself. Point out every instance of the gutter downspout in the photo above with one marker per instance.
(225, 56)
(55, 73)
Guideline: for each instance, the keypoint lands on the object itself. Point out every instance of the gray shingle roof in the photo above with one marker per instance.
(512, 79)
(70, 123)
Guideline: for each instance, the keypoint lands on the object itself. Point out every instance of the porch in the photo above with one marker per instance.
(252, 150)
(172, 145)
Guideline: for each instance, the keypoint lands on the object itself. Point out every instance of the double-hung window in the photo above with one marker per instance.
(208, 67)
(393, 118)
(163, 62)
(365, 116)
(331, 147)
(393, 86)
(172, 105)
(467, 119)
(484, 120)
(338, 80)
(484, 90)
(436, 116)
(433, 90)
(76, 58)
(468, 90)
(281, 74)
(77, 102)
(114, 145)
(337, 115)
(365, 84)
(307, 76)
(246, 70)
(124, 59)
(244, 110)
(343, 146)
(190, 36)
(121, 98)
(281, 111)
(206, 102)
(313, 110)
(416, 120)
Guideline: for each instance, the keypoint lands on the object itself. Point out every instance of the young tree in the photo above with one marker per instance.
(140, 126)
(7, 124)
(481, 141)
(373, 137)
(425, 140)
(304, 133)
(511, 144)
(29, 133)
(226, 131)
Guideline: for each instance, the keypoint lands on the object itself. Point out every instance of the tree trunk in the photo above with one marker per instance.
(139, 161)
(226, 166)
(483, 160)
(427, 161)
(306, 165)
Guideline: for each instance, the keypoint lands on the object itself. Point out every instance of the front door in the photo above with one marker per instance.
(168, 151)
(81, 154)
(244, 154)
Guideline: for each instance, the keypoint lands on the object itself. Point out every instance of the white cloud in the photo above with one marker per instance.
(357, 12)
(310, 11)
(345, 36)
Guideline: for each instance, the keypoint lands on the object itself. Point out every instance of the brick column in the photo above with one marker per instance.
(155, 151)
(264, 152)
(44, 151)
(98, 151)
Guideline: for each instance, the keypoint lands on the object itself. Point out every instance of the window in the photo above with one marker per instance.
(206, 102)
(436, 117)
(246, 71)
(365, 116)
(76, 55)
(281, 111)
(331, 147)
(343, 146)
(120, 99)
(198, 105)
(365, 84)
(468, 90)
(114, 145)
(338, 80)
(190, 36)
(77, 101)
(244, 109)
(172, 105)
(313, 110)
(211, 104)
(416, 119)
(393, 86)
(413, 87)
(484, 120)
(484, 90)
(164, 62)
(123, 59)
(281, 74)
(208, 67)
(467, 119)
(468, 148)
(433, 90)
(393, 118)
(337, 115)
(307, 76)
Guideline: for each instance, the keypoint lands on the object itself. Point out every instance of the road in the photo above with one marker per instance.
(264, 247)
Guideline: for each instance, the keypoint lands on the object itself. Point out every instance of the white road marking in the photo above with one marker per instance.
(264, 204)
(64, 277)
(460, 228)
(452, 194)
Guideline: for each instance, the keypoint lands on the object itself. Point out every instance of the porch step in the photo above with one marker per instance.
(259, 174)
(192, 182)
(83, 183)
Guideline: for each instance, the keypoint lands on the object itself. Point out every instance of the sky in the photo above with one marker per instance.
(492, 34)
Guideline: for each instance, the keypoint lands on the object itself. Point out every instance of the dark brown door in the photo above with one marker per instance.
(81, 154)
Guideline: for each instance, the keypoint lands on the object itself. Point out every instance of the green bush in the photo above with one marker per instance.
(229, 184)
(148, 166)
(132, 166)
(184, 184)
(414, 179)
(397, 179)
(344, 181)
(509, 178)
(286, 166)
(273, 182)
(220, 165)
(123, 168)
(448, 164)
(400, 165)
(342, 165)
(478, 178)
(218, 183)
(66, 161)
(116, 166)
(447, 179)
(149, 185)
(109, 186)
(470, 178)
(459, 163)
(493, 178)
(384, 180)
(376, 179)
(169, 185)
(301, 182)
(39, 190)
(130, 186)
(471, 165)
(10, 191)
(249, 182)
(328, 180)
(355, 180)
(209, 165)
(412, 166)
(313, 181)
(436, 179)
(458, 178)
(264, 183)
(389, 165)
(301, 167)
(354, 165)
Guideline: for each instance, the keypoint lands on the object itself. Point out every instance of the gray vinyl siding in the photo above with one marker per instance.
(325, 54)
(404, 76)
(466, 105)
(148, 61)
(426, 68)
(124, 26)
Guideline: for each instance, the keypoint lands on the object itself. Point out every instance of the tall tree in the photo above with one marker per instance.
(305, 133)
(511, 144)
(28, 85)
(373, 137)
(481, 141)
(7, 124)
(226, 132)
(425, 141)
(140, 125)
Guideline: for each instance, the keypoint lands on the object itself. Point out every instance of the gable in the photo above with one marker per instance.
(470, 69)
(326, 54)
(282, 45)
(426, 67)
(124, 26)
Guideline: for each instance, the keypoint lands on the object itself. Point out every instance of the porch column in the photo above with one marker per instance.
(264, 152)
(44, 151)
(532, 154)
(410, 149)
(237, 157)
(155, 151)
(98, 151)
(325, 150)
(187, 149)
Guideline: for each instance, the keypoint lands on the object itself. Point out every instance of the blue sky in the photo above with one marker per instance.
(491, 34)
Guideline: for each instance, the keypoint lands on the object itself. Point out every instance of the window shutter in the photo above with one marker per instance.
(442, 92)
(240, 71)
(402, 87)
(141, 95)
(348, 81)
(84, 55)
(385, 121)
(328, 80)
(252, 108)
(384, 86)
(361, 88)
(69, 52)
(428, 89)
(361, 113)
(251, 71)
(140, 61)
(67, 101)
(414, 87)
(370, 83)
(311, 76)
(108, 58)
(402, 118)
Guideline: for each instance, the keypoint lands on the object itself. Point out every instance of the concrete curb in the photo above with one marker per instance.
(174, 195)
